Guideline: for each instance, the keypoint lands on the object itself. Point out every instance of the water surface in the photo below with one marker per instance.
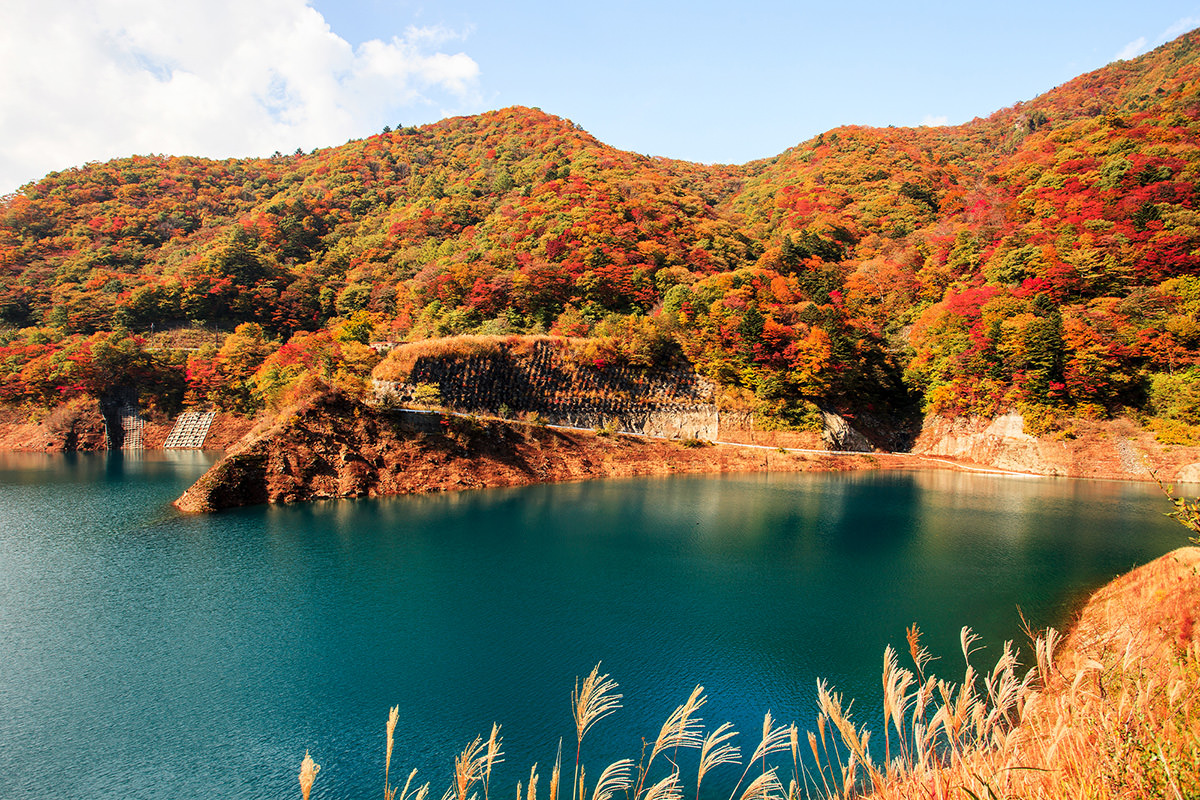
(147, 654)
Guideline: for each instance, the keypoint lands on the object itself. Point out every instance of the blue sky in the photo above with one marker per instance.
(729, 82)
(85, 80)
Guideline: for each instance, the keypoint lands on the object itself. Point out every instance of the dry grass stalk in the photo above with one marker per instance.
(616, 777)
(666, 789)
(681, 730)
(775, 739)
(420, 794)
(591, 702)
(717, 750)
(473, 765)
(920, 655)
(308, 773)
(393, 718)
(764, 787)
(556, 773)
(929, 724)
(1115, 714)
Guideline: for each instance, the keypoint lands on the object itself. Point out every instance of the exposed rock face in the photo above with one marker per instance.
(1092, 449)
(1000, 442)
(75, 425)
(839, 435)
(1189, 473)
(80, 425)
(333, 446)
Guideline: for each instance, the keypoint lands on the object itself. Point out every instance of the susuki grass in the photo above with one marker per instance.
(1112, 713)
(841, 765)
(308, 773)
(1114, 718)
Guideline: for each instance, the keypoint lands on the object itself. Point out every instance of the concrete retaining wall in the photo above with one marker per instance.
(671, 402)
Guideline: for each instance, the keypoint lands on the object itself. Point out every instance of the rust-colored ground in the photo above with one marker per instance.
(333, 446)
(78, 426)
(74, 425)
(1157, 602)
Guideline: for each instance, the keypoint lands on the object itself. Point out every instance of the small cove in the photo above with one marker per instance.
(148, 654)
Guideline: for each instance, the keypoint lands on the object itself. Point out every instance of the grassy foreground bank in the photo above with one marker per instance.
(1112, 711)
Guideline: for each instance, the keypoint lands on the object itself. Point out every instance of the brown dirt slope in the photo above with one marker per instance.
(74, 425)
(1121, 716)
(1115, 713)
(226, 430)
(1159, 601)
(333, 446)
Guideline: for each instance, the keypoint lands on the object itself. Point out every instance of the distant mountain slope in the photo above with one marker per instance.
(1046, 256)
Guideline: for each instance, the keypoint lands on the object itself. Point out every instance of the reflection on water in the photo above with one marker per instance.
(34, 468)
(139, 647)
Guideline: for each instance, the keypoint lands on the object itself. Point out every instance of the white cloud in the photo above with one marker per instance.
(1140, 45)
(1182, 26)
(1133, 49)
(930, 121)
(88, 80)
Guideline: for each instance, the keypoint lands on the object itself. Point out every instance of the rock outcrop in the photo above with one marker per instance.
(332, 446)
(1087, 449)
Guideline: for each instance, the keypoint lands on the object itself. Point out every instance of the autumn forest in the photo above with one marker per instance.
(1044, 259)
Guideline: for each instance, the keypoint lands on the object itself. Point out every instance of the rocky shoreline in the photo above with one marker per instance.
(1113, 449)
(333, 446)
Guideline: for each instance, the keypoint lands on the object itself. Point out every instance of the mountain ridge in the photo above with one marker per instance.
(1044, 257)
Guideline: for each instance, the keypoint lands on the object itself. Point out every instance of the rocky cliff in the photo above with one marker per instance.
(1116, 448)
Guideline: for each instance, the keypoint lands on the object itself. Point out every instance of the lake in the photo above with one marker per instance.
(147, 654)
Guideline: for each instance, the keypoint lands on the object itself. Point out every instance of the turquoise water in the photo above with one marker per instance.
(146, 654)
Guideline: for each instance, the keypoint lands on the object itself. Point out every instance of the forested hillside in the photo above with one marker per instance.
(1045, 258)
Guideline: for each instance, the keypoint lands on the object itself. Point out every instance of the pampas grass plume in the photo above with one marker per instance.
(308, 772)
(393, 717)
